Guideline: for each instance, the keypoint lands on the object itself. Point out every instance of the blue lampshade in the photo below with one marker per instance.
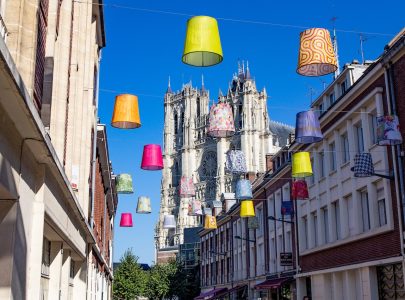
(243, 190)
(307, 128)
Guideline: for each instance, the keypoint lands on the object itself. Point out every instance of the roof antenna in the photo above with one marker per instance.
(362, 39)
(335, 47)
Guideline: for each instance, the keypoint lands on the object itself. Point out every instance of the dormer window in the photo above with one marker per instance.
(343, 88)
(321, 108)
(332, 98)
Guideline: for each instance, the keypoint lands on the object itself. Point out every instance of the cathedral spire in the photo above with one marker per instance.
(202, 83)
(247, 74)
(169, 89)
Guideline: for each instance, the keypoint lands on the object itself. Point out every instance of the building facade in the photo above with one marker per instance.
(189, 151)
(50, 53)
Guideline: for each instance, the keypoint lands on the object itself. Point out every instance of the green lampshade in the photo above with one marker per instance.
(123, 184)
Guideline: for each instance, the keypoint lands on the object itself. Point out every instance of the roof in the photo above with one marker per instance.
(281, 131)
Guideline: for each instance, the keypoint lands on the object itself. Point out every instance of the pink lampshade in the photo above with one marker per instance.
(126, 220)
(152, 158)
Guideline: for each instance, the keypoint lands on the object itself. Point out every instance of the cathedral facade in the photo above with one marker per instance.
(189, 151)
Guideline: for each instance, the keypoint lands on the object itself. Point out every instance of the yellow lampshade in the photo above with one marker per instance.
(202, 47)
(316, 55)
(126, 112)
(210, 222)
(301, 165)
(247, 209)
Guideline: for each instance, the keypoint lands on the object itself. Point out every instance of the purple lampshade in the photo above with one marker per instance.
(307, 128)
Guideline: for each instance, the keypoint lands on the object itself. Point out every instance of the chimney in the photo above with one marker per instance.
(269, 162)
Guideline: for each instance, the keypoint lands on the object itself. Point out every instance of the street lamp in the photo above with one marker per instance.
(281, 220)
(241, 238)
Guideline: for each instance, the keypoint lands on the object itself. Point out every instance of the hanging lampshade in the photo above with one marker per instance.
(363, 165)
(316, 55)
(126, 112)
(253, 223)
(247, 209)
(301, 165)
(194, 208)
(388, 131)
(220, 122)
(152, 158)
(123, 184)
(235, 162)
(126, 220)
(169, 222)
(307, 128)
(143, 206)
(210, 222)
(299, 190)
(202, 47)
(243, 190)
(187, 188)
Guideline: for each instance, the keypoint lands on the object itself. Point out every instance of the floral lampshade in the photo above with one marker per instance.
(210, 222)
(143, 206)
(152, 158)
(388, 131)
(126, 112)
(202, 46)
(187, 188)
(299, 190)
(235, 162)
(307, 128)
(247, 209)
(253, 223)
(123, 184)
(363, 165)
(126, 220)
(221, 122)
(194, 208)
(243, 189)
(316, 55)
(301, 165)
(169, 222)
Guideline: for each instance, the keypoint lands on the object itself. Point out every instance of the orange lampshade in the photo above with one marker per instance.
(126, 112)
(316, 55)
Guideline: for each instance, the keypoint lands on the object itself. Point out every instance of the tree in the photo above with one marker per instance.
(129, 278)
(159, 281)
(185, 283)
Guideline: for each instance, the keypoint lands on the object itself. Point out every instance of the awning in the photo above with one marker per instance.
(272, 283)
(210, 294)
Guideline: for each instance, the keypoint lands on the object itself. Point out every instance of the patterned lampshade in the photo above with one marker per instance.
(316, 55)
(194, 208)
(210, 222)
(235, 162)
(307, 128)
(202, 46)
(126, 220)
(169, 222)
(126, 112)
(221, 122)
(299, 190)
(301, 165)
(363, 165)
(187, 188)
(247, 209)
(143, 206)
(152, 158)
(123, 184)
(388, 131)
(243, 189)
(253, 223)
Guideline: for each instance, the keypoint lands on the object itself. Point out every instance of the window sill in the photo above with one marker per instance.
(333, 172)
(345, 164)
(321, 179)
(372, 147)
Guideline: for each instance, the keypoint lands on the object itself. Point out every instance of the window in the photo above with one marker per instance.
(260, 220)
(365, 212)
(321, 108)
(46, 257)
(345, 148)
(351, 218)
(343, 88)
(373, 127)
(332, 156)
(326, 224)
(331, 98)
(382, 214)
(315, 230)
(198, 107)
(305, 237)
(176, 124)
(336, 210)
(322, 164)
(312, 178)
(359, 138)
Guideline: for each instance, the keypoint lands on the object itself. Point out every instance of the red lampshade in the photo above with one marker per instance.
(299, 190)
(152, 158)
(126, 220)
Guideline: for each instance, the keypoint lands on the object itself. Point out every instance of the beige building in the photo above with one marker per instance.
(49, 63)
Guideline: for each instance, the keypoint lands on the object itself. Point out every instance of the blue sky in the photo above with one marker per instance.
(144, 48)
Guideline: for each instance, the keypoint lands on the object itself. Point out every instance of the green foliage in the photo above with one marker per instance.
(129, 278)
(159, 281)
